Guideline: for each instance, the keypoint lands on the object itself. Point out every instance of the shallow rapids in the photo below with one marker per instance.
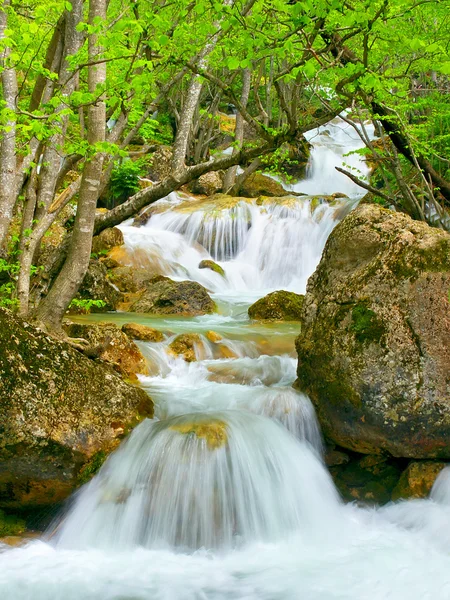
(224, 496)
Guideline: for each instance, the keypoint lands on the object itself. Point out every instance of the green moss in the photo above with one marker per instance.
(210, 264)
(92, 467)
(11, 525)
(366, 325)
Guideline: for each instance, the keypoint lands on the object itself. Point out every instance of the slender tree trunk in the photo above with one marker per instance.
(8, 135)
(230, 175)
(66, 285)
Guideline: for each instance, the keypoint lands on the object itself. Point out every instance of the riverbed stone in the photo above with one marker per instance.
(277, 306)
(213, 266)
(164, 296)
(136, 331)
(130, 279)
(59, 412)
(188, 346)
(374, 349)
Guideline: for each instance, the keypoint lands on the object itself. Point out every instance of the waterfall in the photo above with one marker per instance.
(193, 481)
(224, 495)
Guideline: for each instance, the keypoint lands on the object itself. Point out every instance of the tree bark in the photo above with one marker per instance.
(52, 308)
(230, 175)
(8, 137)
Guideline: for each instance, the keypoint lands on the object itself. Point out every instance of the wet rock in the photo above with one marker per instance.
(96, 287)
(58, 411)
(374, 350)
(187, 345)
(208, 184)
(369, 484)
(261, 185)
(277, 306)
(107, 239)
(333, 458)
(130, 279)
(417, 480)
(213, 337)
(164, 296)
(143, 333)
(210, 264)
(108, 343)
(214, 433)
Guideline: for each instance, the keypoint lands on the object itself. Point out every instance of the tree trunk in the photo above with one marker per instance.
(8, 137)
(52, 308)
(230, 175)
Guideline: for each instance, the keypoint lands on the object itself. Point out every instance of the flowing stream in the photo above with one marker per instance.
(224, 495)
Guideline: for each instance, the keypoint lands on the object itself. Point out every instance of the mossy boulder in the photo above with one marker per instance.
(213, 266)
(277, 306)
(188, 346)
(261, 185)
(136, 331)
(417, 479)
(107, 239)
(108, 343)
(58, 410)
(374, 350)
(164, 296)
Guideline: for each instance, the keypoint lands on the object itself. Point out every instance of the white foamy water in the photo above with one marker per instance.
(224, 496)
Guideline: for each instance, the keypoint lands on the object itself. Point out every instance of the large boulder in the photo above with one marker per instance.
(164, 296)
(60, 415)
(374, 350)
(277, 306)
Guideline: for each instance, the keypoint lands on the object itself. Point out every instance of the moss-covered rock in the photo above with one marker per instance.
(136, 331)
(187, 345)
(374, 350)
(417, 479)
(210, 264)
(107, 239)
(164, 296)
(108, 343)
(277, 306)
(261, 185)
(58, 409)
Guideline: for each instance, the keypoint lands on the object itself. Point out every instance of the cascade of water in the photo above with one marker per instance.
(202, 481)
(230, 500)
